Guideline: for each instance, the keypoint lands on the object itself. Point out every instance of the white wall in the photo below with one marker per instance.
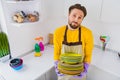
(107, 23)
(2, 19)
(54, 15)
(21, 37)
(103, 19)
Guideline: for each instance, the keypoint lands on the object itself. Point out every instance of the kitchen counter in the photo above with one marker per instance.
(104, 66)
(33, 67)
(106, 61)
(96, 73)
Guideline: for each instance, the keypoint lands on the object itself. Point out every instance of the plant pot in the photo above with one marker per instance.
(4, 58)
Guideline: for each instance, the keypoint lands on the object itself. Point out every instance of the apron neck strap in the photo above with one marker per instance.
(65, 35)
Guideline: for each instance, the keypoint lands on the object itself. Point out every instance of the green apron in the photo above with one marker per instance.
(75, 47)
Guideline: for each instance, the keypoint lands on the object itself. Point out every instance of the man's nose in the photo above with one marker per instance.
(76, 19)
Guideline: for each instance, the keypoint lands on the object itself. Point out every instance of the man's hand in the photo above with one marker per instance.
(56, 69)
(82, 74)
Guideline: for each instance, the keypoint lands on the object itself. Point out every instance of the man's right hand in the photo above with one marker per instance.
(56, 69)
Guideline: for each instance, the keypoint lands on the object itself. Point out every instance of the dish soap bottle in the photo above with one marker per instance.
(41, 44)
(37, 50)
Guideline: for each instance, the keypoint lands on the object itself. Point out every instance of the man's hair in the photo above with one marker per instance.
(78, 6)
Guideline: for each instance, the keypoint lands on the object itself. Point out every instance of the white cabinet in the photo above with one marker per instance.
(1, 77)
(51, 74)
(111, 11)
(29, 7)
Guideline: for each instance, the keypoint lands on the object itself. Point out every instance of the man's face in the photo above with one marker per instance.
(75, 18)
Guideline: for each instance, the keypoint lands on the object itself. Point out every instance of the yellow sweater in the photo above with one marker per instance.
(72, 36)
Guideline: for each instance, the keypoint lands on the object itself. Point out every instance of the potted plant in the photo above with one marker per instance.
(4, 47)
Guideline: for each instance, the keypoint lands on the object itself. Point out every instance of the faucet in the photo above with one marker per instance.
(119, 55)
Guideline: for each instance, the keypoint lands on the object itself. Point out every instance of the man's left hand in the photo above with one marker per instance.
(82, 74)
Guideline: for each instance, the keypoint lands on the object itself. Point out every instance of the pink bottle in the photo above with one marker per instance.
(41, 46)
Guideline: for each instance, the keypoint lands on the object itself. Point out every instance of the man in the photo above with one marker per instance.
(75, 35)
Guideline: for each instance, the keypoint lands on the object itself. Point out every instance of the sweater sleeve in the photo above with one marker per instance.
(57, 45)
(88, 47)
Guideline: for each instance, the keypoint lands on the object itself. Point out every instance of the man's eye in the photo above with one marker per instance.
(74, 15)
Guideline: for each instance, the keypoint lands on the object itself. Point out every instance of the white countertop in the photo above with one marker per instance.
(107, 61)
(33, 67)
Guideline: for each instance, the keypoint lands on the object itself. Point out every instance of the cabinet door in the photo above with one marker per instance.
(42, 77)
(2, 78)
(111, 11)
(51, 75)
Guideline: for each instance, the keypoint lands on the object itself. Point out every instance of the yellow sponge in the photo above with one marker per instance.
(37, 54)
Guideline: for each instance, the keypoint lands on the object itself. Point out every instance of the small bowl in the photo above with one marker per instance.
(16, 63)
(18, 67)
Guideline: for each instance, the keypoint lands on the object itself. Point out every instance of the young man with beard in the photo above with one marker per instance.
(73, 38)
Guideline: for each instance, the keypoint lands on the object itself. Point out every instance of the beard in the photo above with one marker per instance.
(74, 26)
